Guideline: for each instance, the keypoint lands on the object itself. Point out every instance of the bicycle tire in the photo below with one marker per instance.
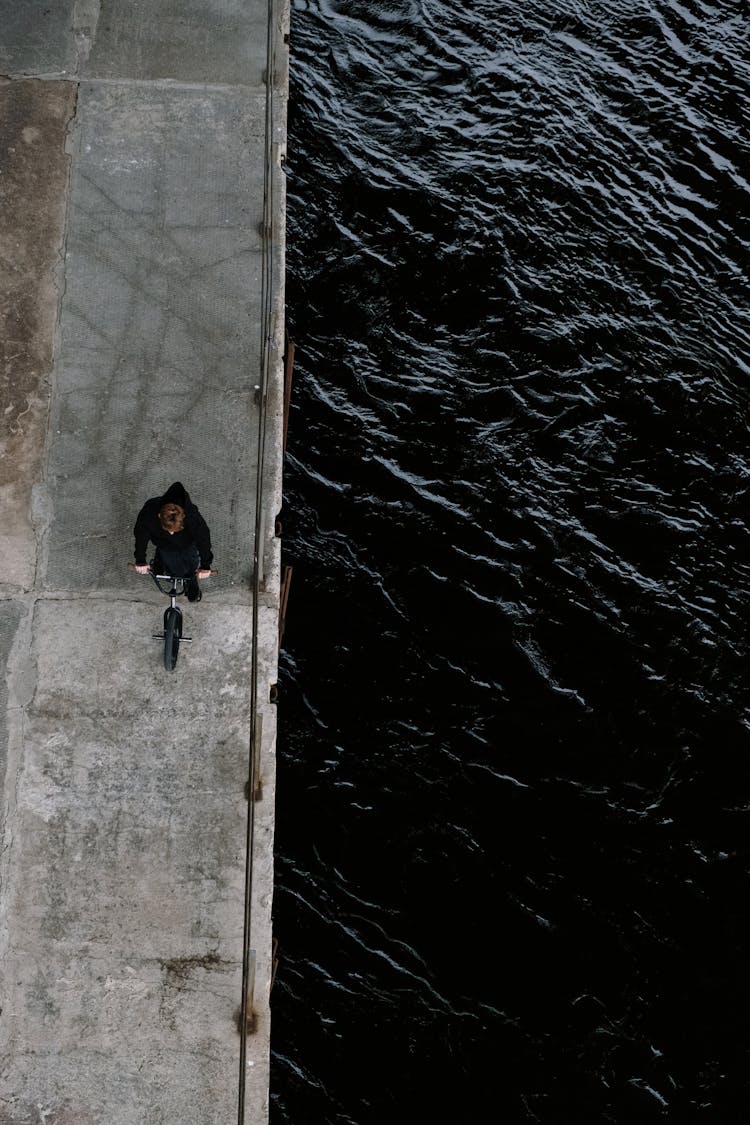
(172, 634)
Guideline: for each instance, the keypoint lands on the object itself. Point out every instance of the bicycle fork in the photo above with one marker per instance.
(173, 608)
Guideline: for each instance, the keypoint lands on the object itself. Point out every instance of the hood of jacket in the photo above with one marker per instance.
(176, 494)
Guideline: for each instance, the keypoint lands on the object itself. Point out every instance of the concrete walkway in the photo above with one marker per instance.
(141, 308)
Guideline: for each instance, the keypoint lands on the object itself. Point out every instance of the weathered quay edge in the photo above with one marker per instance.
(141, 314)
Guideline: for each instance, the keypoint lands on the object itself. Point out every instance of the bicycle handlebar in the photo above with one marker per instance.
(212, 574)
(184, 577)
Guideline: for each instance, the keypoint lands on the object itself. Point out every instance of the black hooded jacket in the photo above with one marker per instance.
(195, 531)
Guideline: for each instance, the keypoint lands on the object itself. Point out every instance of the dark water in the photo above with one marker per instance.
(514, 775)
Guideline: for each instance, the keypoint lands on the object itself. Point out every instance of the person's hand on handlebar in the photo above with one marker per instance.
(202, 573)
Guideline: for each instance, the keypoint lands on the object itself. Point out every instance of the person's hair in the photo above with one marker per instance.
(172, 517)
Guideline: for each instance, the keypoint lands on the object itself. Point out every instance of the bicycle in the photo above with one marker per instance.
(172, 635)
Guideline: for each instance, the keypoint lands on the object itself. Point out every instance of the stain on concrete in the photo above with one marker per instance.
(179, 973)
(179, 969)
(35, 119)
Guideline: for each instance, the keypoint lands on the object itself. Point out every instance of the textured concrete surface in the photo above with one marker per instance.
(213, 41)
(124, 937)
(39, 37)
(136, 254)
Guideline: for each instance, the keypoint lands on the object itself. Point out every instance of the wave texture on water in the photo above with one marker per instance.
(513, 804)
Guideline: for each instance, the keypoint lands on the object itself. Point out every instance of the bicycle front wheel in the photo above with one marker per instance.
(172, 635)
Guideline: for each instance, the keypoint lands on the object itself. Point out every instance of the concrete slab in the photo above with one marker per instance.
(34, 120)
(38, 37)
(214, 41)
(126, 865)
(160, 326)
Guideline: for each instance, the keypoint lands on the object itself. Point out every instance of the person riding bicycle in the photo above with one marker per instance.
(180, 534)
